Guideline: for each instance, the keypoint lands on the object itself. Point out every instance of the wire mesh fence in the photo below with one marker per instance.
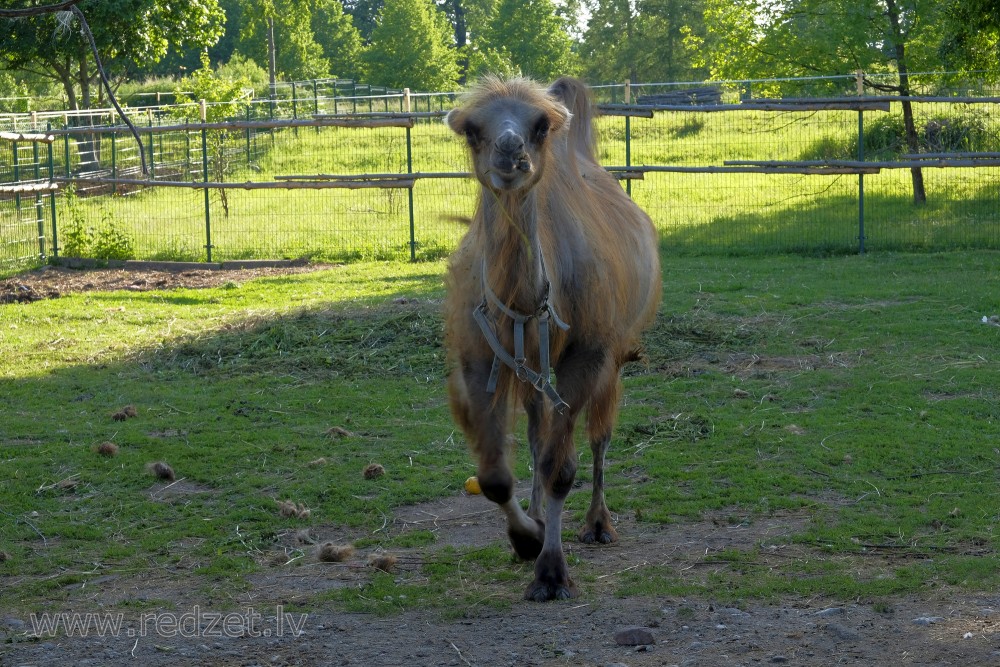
(380, 176)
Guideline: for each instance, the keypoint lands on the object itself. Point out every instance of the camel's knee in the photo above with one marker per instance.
(497, 483)
(558, 473)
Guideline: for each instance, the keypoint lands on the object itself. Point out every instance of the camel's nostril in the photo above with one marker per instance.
(510, 143)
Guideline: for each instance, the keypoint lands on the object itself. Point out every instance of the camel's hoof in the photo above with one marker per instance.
(540, 591)
(598, 533)
(552, 580)
(527, 546)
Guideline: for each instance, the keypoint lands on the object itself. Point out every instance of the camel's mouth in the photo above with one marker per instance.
(511, 180)
(510, 174)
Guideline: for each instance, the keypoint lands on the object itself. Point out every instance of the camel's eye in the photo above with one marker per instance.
(541, 131)
(473, 134)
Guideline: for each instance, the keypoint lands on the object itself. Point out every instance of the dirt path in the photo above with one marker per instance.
(267, 626)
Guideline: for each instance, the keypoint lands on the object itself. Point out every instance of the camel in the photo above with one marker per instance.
(558, 271)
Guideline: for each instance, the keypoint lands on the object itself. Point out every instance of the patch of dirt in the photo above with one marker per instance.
(264, 624)
(51, 282)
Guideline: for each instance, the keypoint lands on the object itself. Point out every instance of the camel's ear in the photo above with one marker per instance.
(455, 120)
(460, 124)
(559, 116)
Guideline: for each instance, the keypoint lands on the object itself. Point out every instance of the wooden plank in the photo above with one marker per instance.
(32, 137)
(381, 114)
(348, 177)
(931, 156)
(247, 124)
(881, 164)
(615, 110)
(22, 188)
(248, 185)
(760, 169)
(845, 104)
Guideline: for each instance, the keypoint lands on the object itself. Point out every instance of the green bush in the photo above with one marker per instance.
(112, 242)
(964, 132)
(76, 235)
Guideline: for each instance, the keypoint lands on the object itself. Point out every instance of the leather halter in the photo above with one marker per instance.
(484, 318)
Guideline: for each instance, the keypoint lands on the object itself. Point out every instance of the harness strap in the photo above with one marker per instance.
(539, 381)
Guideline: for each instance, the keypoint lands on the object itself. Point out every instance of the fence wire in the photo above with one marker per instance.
(699, 201)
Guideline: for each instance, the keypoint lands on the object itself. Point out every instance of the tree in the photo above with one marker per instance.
(340, 40)
(297, 53)
(642, 41)
(463, 14)
(180, 61)
(972, 36)
(131, 35)
(412, 47)
(364, 14)
(535, 37)
(764, 39)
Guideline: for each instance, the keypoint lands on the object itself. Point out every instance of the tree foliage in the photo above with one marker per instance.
(131, 36)
(642, 41)
(297, 53)
(412, 47)
(972, 36)
(533, 34)
(763, 39)
(338, 38)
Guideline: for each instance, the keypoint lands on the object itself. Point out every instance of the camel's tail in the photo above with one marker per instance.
(575, 95)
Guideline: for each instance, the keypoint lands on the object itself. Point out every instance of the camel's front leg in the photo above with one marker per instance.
(557, 467)
(484, 421)
(578, 372)
(535, 408)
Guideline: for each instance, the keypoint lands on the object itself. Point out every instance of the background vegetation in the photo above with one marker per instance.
(428, 45)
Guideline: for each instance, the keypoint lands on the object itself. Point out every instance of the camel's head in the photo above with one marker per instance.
(509, 126)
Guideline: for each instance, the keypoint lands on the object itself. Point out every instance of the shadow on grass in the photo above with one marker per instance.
(268, 407)
(831, 226)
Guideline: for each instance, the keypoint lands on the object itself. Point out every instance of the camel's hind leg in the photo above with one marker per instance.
(485, 421)
(603, 413)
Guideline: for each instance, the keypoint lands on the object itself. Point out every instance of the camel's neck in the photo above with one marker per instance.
(513, 253)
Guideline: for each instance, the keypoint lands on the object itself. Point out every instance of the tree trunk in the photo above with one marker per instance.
(910, 129)
(461, 39)
(89, 146)
(271, 65)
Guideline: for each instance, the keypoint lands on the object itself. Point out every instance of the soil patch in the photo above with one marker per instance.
(51, 282)
(280, 621)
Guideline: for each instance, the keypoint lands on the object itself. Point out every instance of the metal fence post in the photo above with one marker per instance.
(409, 170)
(17, 177)
(204, 168)
(628, 137)
(66, 146)
(152, 144)
(39, 206)
(52, 197)
(248, 135)
(861, 156)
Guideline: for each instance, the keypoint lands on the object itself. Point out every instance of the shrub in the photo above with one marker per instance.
(111, 241)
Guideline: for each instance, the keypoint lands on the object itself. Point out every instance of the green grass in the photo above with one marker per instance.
(857, 393)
